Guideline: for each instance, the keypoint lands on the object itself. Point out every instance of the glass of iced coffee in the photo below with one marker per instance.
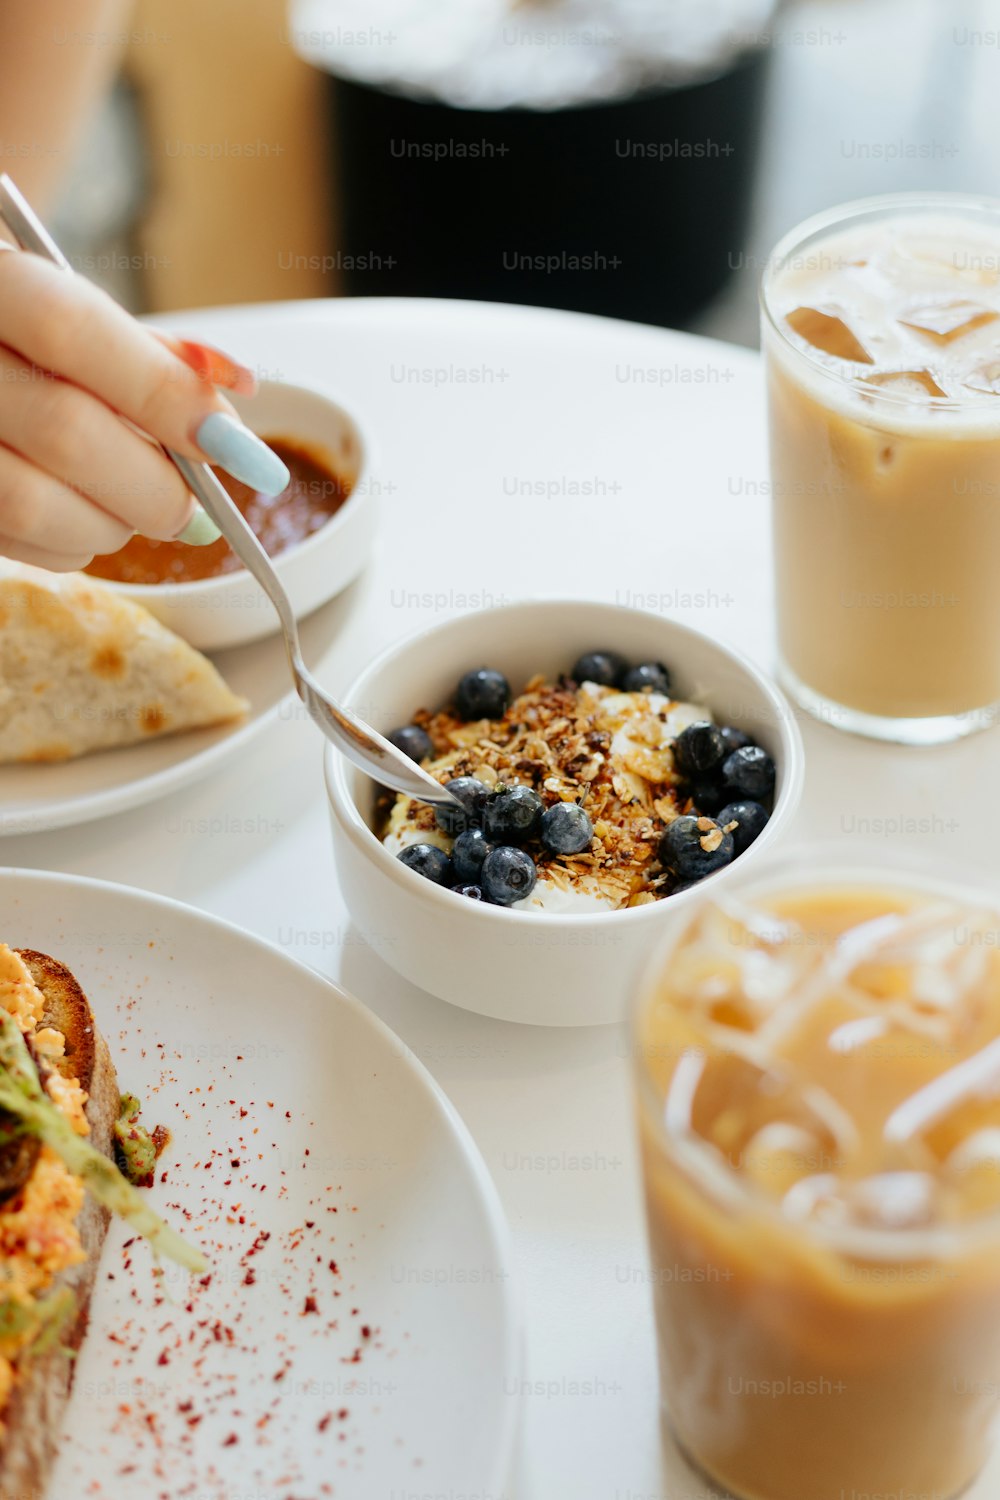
(818, 1075)
(881, 332)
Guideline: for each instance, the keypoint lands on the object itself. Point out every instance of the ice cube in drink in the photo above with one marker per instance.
(829, 332)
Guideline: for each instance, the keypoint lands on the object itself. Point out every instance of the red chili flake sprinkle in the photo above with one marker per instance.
(324, 1422)
(235, 1162)
(230, 1441)
(250, 1278)
(164, 1358)
(342, 1413)
(310, 1306)
(366, 1332)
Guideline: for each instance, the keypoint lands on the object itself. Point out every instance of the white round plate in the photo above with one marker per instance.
(356, 1336)
(36, 797)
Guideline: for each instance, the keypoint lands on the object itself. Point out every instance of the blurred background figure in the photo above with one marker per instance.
(178, 149)
(590, 154)
(630, 157)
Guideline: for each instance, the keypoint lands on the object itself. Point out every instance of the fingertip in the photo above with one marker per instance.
(229, 443)
(214, 366)
(200, 530)
(176, 531)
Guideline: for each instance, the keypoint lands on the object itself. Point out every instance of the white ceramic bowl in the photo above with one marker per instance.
(233, 609)
(533, 966)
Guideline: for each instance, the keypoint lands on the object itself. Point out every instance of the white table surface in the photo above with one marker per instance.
(653, 493)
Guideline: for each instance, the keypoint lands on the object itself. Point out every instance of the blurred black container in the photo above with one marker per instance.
(633, 208)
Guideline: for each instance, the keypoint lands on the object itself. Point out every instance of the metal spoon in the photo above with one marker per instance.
(362, 745)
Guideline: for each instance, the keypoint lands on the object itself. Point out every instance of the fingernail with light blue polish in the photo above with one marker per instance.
(241, 453)
(199, 531)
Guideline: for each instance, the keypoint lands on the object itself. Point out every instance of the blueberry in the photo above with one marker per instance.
(698, 750)
(649, 674)
(566, 829)
(735, 739)
(682, 848)
(472, 794)
(428, 860)
(748, 774)
(508, 875)
(467, 854)
(512, 815)
(472, 892)
(413, 741)
(603, 667)
(708, 797)
(482, 694)
(750, 816)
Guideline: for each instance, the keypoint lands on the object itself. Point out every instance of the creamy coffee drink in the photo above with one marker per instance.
(882, 335)
(819, 1098)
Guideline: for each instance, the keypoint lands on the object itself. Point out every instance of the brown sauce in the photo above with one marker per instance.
(314, 494)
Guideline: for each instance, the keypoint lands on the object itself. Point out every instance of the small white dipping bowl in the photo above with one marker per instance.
(552, 970)
(233, 609)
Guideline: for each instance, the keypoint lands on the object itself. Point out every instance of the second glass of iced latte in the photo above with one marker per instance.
(881, 331)
(818, 1071)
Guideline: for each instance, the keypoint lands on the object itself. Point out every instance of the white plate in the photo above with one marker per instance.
(205, 1022)
(34, 798)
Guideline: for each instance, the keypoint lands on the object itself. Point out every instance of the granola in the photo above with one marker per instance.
(607, 750)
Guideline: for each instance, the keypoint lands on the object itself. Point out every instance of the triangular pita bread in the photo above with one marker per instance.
(82, 668)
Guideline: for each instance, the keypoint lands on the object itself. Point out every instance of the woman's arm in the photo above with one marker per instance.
(57, 57)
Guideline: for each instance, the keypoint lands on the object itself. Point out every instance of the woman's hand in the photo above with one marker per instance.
(74, 479)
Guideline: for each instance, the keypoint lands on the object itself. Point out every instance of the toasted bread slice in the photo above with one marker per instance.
(34, 1413)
